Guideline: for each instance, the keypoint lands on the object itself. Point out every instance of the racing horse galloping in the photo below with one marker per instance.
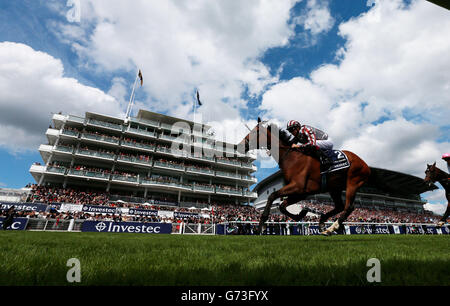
(302, 175)
(434, 174)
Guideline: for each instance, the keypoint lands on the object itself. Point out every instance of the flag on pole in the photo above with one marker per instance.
(140, 77)
(198, 99)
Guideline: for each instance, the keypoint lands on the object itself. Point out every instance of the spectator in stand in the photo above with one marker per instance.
(9, 218)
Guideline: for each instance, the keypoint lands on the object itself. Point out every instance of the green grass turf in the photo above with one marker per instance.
(39, 258)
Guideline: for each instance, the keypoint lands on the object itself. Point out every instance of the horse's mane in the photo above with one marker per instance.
(440, 171)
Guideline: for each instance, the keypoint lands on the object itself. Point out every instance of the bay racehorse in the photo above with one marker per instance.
(302, 175)
(434, 174)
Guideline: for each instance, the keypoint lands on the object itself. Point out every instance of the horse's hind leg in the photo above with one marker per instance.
(336, 195)
(446, 214)
(350, 195)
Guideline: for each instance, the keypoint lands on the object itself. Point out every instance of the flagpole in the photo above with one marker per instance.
(130, 104)
(195, 108)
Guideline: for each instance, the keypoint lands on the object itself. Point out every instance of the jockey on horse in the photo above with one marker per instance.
(446, 157)
(302, 174)
(298, 136)
(434, 174)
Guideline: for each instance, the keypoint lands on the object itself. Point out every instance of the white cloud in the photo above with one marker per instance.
(315, 20)
(437, 201)
(183, 45)
(297, 98)
(395, 57)
(387, 98)
(397, 145)
(32, 86)
(318, 18)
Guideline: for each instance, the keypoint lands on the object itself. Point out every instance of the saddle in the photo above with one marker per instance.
(324, 157)
(330, 160)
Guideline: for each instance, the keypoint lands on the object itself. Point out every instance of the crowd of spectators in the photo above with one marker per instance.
(219, 212)
(202, 184)
(54, 214)
(141, 157)
(126, 175)
(49, 195)
(134, 142)
(230, 212)
(101, 136)
(163, 148)
(90, 169)
(164, 179)
(71, 129)
(65, 145)
(229, 188)
(169, 162)
(97, 150)
(198, 167)
(57, 165)
(227, 159)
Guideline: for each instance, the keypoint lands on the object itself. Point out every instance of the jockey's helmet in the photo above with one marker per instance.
(293, 124)
(446, 156)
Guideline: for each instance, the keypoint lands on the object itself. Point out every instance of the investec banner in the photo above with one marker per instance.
(99, 209)
(142, 212)
(23, 206)
(369, 229)
(178, 214)
(71, 207)
(126, 227)
(363, 229)
(19, 224)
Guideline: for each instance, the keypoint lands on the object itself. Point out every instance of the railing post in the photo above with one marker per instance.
(71, 224)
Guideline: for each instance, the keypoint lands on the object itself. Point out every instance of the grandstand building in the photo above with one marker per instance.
(151, 156)
(406, 197)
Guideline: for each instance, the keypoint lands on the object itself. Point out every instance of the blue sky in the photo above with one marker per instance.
(356, 69)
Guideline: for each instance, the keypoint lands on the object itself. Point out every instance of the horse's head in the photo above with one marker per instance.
(431, 174)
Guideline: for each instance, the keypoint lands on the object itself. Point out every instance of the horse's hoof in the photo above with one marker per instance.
(260, 231)
(334, 227)
(325, 233)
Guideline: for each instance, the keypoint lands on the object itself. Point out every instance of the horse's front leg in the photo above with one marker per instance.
(292, 199)
(445, 216)
(265, 215)
(285, 191)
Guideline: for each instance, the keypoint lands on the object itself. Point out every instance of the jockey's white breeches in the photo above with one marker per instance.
(325, 144)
